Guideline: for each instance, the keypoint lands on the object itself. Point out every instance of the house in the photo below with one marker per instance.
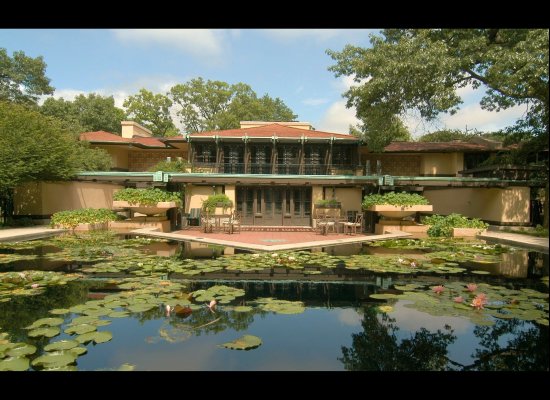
(275, 172)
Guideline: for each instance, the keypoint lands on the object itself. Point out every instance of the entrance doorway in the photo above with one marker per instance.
(273, 206)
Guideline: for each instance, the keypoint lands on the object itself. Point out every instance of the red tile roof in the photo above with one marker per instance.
(434, 147)
(274, 129)
(102, 137)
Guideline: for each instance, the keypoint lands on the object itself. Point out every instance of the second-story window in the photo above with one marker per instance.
(205, 153)
(341, 155)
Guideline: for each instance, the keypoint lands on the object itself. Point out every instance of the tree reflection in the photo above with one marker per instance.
(527, 350)
(377, 347)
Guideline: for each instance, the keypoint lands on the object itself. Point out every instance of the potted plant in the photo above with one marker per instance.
(146, 201)
(83, 219)
(454, 225)
(396, 205)
(217, 201)
(332, 203)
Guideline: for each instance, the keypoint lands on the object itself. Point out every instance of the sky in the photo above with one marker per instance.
(291, 64)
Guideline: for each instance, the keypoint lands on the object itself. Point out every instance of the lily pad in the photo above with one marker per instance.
(140, 307)
(281, 306)
(47, 332)
(45, 322)
(118, 314)
(246, 342)
(242, 309)
(14, 364)
(54, 359)
(21, 349)
(80, 329)
(383, 296)
(60, 311)
(386, 309)
(61, 345)
(78, 351)
(126, 367)
(97, 337)
(480, 272)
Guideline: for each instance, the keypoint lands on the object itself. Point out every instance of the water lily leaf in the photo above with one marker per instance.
(83, 320)
(61, 368)
(78, 309)
(78, 351)
(281, 306)
(61, 345)
(140, 307)
(97, 337)
(242, 309)
(542, 321)
(60, 311)
(80, 329)
(118, 314)
(14, 364)
(479, 272)
(246, 342)
(45, 322)
(47, 332)
(21, 349)
(126, 367)
(383, 296)
(54, 359)
(386, 309)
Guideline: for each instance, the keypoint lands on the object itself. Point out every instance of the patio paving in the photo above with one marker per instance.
(268, 240)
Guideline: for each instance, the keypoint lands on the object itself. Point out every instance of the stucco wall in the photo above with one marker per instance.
(197, 194)
(510, 205)
(119, 156)
(441, 163)
(46, 198)
(350, 199)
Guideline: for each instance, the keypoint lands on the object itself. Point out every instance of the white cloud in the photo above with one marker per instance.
(474, 117)
(350, 36)
(199, 43)
(412, 320)
(338, 118)
(314, 101)
(349, 316)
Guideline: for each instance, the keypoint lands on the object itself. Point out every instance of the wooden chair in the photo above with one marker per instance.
(352, 226)
(206, 223)
(234, 223)
(326, 223)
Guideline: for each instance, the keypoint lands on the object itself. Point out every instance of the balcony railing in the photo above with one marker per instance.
(279, 169)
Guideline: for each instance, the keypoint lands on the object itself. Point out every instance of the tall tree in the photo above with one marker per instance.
(211, 105)
(35, 147)
(379, 129)
(152, 111)
(445, 135)
(22, 78)
(421, 69)
(92, 112)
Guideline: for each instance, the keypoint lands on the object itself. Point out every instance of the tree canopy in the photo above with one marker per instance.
(22, 78)
(211, 105)
(92, 112)
(34, 147)
(378, 130)
(421, 69)
(151, 111)
(445, 135)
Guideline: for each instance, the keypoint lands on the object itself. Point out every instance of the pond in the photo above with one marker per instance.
(98, 303)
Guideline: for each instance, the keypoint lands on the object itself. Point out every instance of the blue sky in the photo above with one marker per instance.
(287, 63)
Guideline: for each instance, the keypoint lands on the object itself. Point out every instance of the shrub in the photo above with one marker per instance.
(327, 203)
(71, 218)
(441, 226)
(394, 199)
(146, 197)
(213, 200)
(170, 166)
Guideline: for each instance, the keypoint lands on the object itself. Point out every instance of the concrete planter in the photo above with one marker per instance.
(160, 207)
(101, 226)
(398, 211)
(467, 232)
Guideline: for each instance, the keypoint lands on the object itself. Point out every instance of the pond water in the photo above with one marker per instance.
(101, 304)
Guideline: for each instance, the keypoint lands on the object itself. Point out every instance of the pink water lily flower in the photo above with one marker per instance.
(35, 285)
(438, 289)
(458, 299)
(479, 301)
(212, 305)
(471, 287)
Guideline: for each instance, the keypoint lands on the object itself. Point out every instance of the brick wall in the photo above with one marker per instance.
(396, 165)
(143, 160)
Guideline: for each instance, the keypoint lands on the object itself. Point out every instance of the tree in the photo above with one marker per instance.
(421, 69)
(93, 112)
(152, 111)
(214, 105)
(22, 78)
(34, 147)
(379, 130)
(445, 135)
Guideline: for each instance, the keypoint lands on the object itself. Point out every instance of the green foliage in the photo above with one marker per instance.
(146, 197)
(92, 112)
(394, 199)
(170, 166)
(441, 226)
(422, 69)
(34, 147)
(22, 78)
(446, 135)
(213, 105)
(151, 111)
(213, 200)
(71, 218)
(379, 129)
(327, 203)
